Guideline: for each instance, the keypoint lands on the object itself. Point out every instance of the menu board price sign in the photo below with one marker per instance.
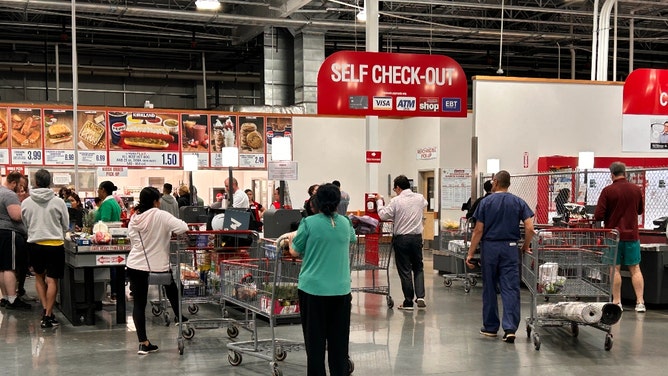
(4, 156)
(27, 156)
(92, 158)
(143, 159)
(59, 157)
(251, 160)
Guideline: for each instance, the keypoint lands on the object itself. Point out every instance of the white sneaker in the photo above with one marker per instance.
(640, 307)
(620, 306)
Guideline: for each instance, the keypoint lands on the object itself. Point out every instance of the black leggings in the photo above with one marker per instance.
(139, 289)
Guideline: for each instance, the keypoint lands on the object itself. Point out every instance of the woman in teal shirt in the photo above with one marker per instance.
(109, 210)
(323, 242)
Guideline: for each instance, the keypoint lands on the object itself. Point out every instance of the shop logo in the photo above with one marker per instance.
(451, 104)
(429, 104)
(406, 104)
(382, 103)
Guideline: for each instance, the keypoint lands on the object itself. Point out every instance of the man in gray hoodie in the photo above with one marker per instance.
(168, 202)
(47, 220)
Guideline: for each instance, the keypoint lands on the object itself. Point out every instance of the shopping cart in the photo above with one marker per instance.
(264, 286)
(199, 256)
(371, 254)
(568, 266)
(458, 248)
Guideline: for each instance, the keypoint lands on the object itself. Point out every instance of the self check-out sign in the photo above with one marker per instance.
(388, 84)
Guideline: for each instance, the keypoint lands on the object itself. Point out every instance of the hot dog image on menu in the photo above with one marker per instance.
(147, 136)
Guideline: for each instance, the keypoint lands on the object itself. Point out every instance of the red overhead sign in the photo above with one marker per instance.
(388, 84)
(372, 156)
(646, 92)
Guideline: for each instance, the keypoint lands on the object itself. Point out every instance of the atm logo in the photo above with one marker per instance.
(406, 104)
(430, 104)
(382, 103)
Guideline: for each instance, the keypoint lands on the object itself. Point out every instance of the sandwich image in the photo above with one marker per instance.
(147, 136)
(23, 140)
(59, 133)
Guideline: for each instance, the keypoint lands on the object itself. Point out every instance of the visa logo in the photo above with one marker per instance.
(451, 104)
(382, 103)
(406, 104)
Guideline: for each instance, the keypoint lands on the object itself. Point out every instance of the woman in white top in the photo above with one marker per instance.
(150, 230)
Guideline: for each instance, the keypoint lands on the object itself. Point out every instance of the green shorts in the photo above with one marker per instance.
(628, 252)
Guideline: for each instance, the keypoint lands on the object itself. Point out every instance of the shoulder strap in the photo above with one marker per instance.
(145, 256)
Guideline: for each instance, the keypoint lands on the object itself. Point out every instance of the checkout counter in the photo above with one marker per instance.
(82, 257)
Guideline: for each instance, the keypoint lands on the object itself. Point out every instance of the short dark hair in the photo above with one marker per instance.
(248, 190)
(14, 177)
(487, 186)
(42, 178)
(327, 199)
(402, 182)
(502, 179)
(147, 198)
(618, 168)
(311, 189)
(108, 187)
(167, 187)
(337, 183)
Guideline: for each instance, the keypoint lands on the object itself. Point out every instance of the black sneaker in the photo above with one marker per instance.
(487, 333)
(509, 337)
(53, 320)
(4, 302)
(46, 323)
(145, 349)
(18, 304)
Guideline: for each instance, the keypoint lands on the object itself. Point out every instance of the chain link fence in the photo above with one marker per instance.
(584, 187)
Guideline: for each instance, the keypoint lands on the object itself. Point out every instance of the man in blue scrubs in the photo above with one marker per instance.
(497, 231)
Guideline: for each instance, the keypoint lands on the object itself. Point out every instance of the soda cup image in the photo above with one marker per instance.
(116, 129)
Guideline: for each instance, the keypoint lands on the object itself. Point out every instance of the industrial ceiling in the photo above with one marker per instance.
(541, 38)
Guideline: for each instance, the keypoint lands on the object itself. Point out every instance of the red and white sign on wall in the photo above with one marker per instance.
(388, 84)
(645, 111)
(373, 156)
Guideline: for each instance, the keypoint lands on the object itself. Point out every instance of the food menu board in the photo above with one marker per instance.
(251, 142)
(58, 140)
(26, 132)
(141, 139)
(223, 134)
(195, 137)
(4, 135)
(91, 139)
(278, 127)
(128, 137)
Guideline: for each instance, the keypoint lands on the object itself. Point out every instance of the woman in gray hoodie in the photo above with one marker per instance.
(150, 230)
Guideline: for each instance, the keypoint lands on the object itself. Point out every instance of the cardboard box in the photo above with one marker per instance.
(279, 306)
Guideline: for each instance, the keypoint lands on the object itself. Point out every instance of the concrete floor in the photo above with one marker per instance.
(442, 340)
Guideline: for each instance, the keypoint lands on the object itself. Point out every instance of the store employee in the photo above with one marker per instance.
(239, 198)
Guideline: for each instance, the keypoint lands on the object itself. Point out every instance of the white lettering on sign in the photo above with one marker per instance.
(392, 74)
(349, 72)
(663, 98)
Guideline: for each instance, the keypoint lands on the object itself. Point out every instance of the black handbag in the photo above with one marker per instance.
(155, 278)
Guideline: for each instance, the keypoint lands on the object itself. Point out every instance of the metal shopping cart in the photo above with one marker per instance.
(458, 247)
(371, 254)
(199, 256)
(266, 286)
(566, 267)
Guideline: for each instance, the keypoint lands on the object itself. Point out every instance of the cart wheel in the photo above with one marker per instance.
(280, 354)
(166, 319)
(234, 358)
(156, 310)
(575, 329)
(188, 333)
(226, 313)
(536, 341)
(608, 342)
(528, 331)
(447, 282)
(276, 372)
(390, 302)
(474, 281)
(351, 366)
(181, 346)
(232, 331)
(467, 286)
(193, 308)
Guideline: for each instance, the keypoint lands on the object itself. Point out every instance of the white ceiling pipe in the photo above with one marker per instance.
(604, 40)
(594, 39)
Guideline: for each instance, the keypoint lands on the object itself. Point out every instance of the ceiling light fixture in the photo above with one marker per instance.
(207, 4)
(361, 16)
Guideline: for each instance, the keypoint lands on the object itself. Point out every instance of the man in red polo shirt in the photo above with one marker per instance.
(618, 207)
